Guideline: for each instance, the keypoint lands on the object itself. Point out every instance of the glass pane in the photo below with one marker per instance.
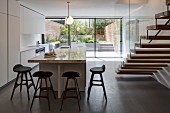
(108, 37)
(82, 34)
(56, 33)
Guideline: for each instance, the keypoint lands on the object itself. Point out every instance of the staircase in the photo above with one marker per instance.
(106, 47)
(150, 58)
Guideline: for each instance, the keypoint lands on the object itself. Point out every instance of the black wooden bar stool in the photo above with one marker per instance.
(22, 70)
(99, 71)
(43, 75)
(71, 75)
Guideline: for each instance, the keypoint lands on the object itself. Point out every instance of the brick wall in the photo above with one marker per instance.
(53, 28)
(112, 34)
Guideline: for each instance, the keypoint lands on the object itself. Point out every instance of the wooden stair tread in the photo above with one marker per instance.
(141, 67)
(148, 60)
(158, 27)
(155, 45)
(163, 15)
(150, 55)
(136, 71)
(152, 49)
(145, 64)
(158, 37)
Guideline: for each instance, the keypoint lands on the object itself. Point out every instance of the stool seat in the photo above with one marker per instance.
(22, 73)
(97, 70)
(21, 68)
(71, 74)
(42, 74)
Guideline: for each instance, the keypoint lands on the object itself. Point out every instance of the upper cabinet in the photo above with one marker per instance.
(3, 6)
(13, 8)
(33, 22)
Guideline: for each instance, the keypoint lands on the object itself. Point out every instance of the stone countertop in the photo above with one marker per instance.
(27, 48)
(63, 55)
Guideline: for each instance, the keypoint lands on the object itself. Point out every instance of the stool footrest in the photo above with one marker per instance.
(97, 84)
(69, 89)
(97, 80)
(46, 88)
(75, 97)
(40, 96)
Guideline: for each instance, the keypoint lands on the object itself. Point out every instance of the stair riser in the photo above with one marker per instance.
(155, 46)
(150, 57)
(158, 38)
(152, 52)
(131, 67)
(158, 27)
(162, 15)
(134, 72)
(145, 65)
(159, 61)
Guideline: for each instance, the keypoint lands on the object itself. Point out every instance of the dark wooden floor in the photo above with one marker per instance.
(125, 95)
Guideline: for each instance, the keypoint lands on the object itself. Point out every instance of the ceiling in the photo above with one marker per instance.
(80, 7)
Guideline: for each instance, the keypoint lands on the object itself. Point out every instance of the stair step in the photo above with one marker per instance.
(146, 64)
(163, 15)
(158, 27)
(152, 51)
(141, 67)
(158, 38)
(167, 2)
(148, 60)
(106, 47)
(136, 71)
(155, 45)
(103, 44)
(150, 56)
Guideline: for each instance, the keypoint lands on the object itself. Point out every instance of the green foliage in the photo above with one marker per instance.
(62, 40)
(86, 39)
(51, 38)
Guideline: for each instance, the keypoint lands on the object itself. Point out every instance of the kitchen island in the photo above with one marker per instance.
(66, 59)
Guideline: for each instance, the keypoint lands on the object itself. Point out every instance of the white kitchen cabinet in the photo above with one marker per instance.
(3, 49)
(33, 22)
(3, 6)
(14, 8)
(13, 45)
(26, 55)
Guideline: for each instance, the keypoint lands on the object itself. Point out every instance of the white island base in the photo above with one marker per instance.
(58, 69)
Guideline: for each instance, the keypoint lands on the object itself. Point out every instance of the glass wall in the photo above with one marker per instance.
(109, 36)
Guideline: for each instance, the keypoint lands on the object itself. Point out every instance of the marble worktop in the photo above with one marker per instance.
(63, 55)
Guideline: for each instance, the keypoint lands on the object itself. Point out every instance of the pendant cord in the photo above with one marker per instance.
(68, 8)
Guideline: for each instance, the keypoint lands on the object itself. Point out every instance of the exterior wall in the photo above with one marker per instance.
(112, 34)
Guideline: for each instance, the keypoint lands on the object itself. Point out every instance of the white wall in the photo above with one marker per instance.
(29, 39)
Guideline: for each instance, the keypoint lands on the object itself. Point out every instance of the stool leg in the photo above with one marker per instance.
(78, 88)
(27, 86)
(21, 82)
(91, 83)
(77, 93)
(52, 87)
(64, 94)
(103, 86)
(40, 88)
(15, 86)
(36, 89)
(47, 93)
(32, 79)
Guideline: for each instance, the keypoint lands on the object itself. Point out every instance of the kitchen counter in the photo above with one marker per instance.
(66, 59)
(64, 55)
